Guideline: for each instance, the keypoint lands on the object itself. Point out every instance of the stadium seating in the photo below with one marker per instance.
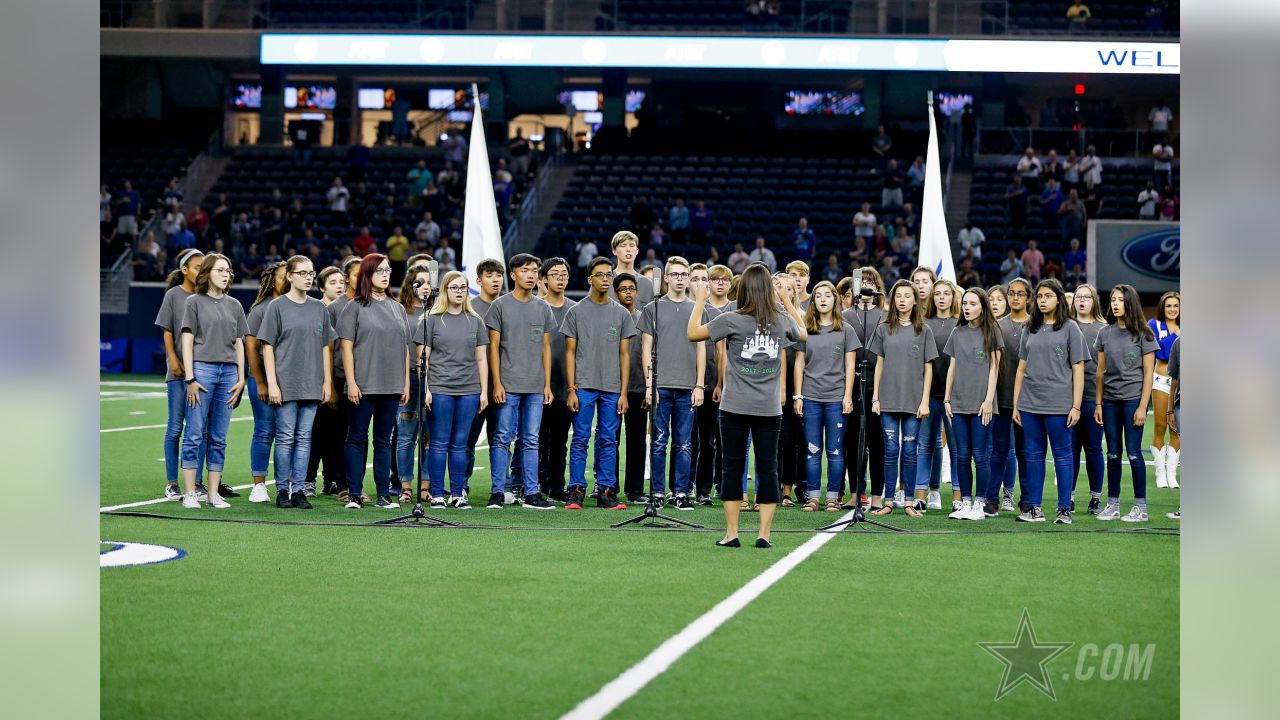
(148, 167)
(722, 15)
(399, 14)
(1113, 17)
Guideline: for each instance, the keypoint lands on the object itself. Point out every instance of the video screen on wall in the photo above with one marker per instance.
(823, 102)
(455, 99)
(314, 97)
(246, 97)
(950, 103)
(375, 98)
(586, 101)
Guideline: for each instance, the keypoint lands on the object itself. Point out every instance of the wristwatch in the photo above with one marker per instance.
(797, 397)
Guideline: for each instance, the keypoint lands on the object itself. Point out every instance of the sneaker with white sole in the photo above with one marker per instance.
(975, 511)
(353, 503)
(202, 493)
(962, 512)
(190, 502)
(309, 489)
(1136, 514)
(461, 503)
(934, 501)
(1032, 514)
(438, 503)
(1063, 518)
(259, 493)
(385, 502)
(171, 492)
(1176, 515)
(215, 500)
(900, 499)
(508, 498)
(1006, 501)
(1110, 512)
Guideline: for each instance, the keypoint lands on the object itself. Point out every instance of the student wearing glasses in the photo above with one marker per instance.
(553, 435)
(636, 417)
(707, 466)
(375, 355)
(414, 292)
(1007, 442)
(273, 283)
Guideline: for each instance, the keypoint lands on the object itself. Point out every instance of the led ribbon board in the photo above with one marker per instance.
(746, 53)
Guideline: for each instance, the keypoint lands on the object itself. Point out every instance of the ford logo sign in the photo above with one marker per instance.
(1155, 254)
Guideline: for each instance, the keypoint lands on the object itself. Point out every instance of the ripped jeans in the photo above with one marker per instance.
(899, 431)
(819, 418)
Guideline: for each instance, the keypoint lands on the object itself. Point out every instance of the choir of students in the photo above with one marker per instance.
(715, 367)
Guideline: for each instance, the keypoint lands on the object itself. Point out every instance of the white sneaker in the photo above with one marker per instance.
(963, 512)
(1157, 454)
(1110, 512)
(1174, 515)
(1171, 466)
(899, 499)
(259, 493)
(934, 501)
(1137, 514)
(190, 502)
(509, 498)
(353, 504)
(1006, 502)
(975, 511)
(215, 500)
(171, 492)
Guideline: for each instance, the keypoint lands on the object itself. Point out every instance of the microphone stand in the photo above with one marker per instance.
(858, 515)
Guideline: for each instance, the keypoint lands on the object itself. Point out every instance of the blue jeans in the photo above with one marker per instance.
(1088, 437)
(602, 405)
(1123, 436)
(672, 417)
(407, 432)
(928, 455)
(900, 431)
(381, 409)
(971, 440)
(208, 421)
(450, 421)
(521, 414)
(1037, 429)
(264, 430)
(294, 421)
(1008, 455)
(177, 392)
(824, 418)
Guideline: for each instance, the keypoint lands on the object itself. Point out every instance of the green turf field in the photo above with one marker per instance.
(535, 611)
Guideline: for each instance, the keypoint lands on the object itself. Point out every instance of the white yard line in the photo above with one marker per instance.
(621, 688)
(122, 383)
(154, 427)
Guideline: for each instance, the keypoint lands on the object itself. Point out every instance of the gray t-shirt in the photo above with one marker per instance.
(480, 306)
(635, 383)
(903, 355)
(677, 357)
(598, 328)
(415, 330)
(1046, 383)
(754, 362)
(522, 325)
(824, 355)
(379, 332)
(253, 321)
(1090, 332)
(559, 374)
(853, 317)
(335, 311)
(973, 367)
(712, 374)
(644, 289)
(453, 339)
(1012, 333)
(1123, 377)
(1175, 371)
(942, 327)
(170, 318)
(216, 325)
(297, 334)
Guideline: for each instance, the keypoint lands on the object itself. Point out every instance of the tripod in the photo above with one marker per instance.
(651, 514)
(417, 515)
(858, 515)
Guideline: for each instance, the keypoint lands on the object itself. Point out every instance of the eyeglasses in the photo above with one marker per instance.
(627, 289)
(1018, 294)
(382, 271)
(1046, 296)
(605, 275)
(719, 280)
(678, 276)
(457, 288)
(311, 274)
(558, 276)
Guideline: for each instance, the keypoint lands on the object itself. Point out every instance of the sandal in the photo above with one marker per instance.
(344, 496)
(915, 509)
(424, 496)
(365, 499)
(833, 506)
(882, 510)
(786, 501)
(811, 505)
(746, 507)
(406, 497)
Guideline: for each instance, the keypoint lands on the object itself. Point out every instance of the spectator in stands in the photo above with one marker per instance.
(390, 210)
(455, 149)
(172, 194)
(148, 262)
(198, 222)
(302, 144)
(860, 255)
(338, 197)
(713, 257)
(1029, 169)
(909, 218)
(587, 251)
(678, 221)
(1051, 199)
(503, 191)
(1078, 16)
(650, 260)
(1011, 268)
(250, 265)
(968, 131)
(400, 120)
(916, 175)
(1071, 171)
(429, 227)
(657, 236)
(881, 145)
(104, 203)
(764, 255)
(449, 180)
(891, 190)
(181, 240)
(1048, 116)
(1091, 168)
(432, 198)
(966, 276)
(417, 180)
(397, 254)
(364, 242)
(832, 272)
(108, 238)
(906, 240)
(1169, 204)
(1162, 163)
(864, 223)
(454, 231)
(1072, 216)
(1148, 202)
(971, 237)
(804, 244)
(888, 268)
(445, 256)
(1015, 196)
(739, 260)
(1153, 15)
(701, 222)
(519, 149)
(128, 205)
(357, 161)
(504, 171)
(1074, 264)
(1032, 262)
(1160, 117)
(222, 217)
(273, 256)
(1051, 168)
(172, 222)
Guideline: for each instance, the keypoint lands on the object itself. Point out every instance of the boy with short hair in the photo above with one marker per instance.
(626, 247)
(553, 436)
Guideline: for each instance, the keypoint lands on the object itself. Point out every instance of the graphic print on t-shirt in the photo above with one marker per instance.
(535, 333)
(761, 343)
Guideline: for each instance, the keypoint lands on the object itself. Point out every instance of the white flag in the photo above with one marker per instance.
(481, 234)
(935, 243)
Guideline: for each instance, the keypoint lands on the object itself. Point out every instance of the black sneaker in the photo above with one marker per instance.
(225, 491)
(595, 493)
(637, 498)
(608, 500)
(704, 500)
(282, 500)
(1095, 505)
(573, 499)
(1033, 513)
(171, 492)
(658, 502)
(682, 502)
(1072, 505)
(300, 500)
(1063, 518)
(330, 488)
(537, 502)
(495, 501)
(384, 502)
(990, 509)
(558, 495)
(1023, 507)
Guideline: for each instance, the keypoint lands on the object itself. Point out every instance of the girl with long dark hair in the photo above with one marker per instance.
(180, 286)
(1007, 438)
(865, 316)
(1046, 396)
(1087, 312)
(757, 333)
(1126, 350)
(941, 314)
(213, 330)
(375, 355)
(1167, 326)
(264, 413)
(329, 432)
(414, 301)
(974, 348)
